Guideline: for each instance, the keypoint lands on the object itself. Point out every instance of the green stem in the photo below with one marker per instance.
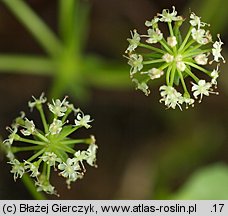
(193, 48)
(185, 40)
(152, 48)
(199, 68)
(36, 155)
(152, 55)
(75, 141)
(182, 81)
(26, 64)
(44, 169)
(35, 25)
(65, 149)
(29, 183)
(153, 61)
(164, 66)
(66, 114)
(43, 118)
(67, 19)
(70, 132)
(41, 136)
(168, 74)
(170, 29)
(48, 171)
(26, 148)
(191, 74)
(36, 142)
(165, 45)
(173, 71)
(190, 54)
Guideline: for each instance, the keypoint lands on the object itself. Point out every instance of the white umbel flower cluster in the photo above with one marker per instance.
(176, 58)
(51, 148)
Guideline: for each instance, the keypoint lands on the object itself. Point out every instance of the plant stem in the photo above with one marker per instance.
(173, 71)
(168, 74)
(190, 54)
(165, 45)
(26, 148)
(67, 20)
(153, 61)
(185, 40)
(191, 75)
(170, 28)
(25, 64)
(35, 25)
(152, 48)
(36, 155)
(28, 182)
(75, 141)
(43, 118)
(199, 68)
(182, 81)
(36, 142)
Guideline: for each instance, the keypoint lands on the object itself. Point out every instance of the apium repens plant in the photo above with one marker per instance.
(51, 148)
(175, 59)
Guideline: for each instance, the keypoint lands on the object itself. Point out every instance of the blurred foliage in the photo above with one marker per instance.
(72, 70)
(187, 150)
(209, 183)
(213, 12)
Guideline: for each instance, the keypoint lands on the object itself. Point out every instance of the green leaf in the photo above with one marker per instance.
(207, 183)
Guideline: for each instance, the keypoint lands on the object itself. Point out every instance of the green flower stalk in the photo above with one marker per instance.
(51, 148)
(175, 59)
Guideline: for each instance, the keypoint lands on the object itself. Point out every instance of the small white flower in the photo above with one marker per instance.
(181, 66)
(79, 156)
(55, 127)
(178, 58)
(71, 106)
(83, 120)
(216, 50)
(41, 100)
(33, 168)
(133, 42)
(195, 21)
(10, 155)
(202, 88)
(188, 101)
(215, 75)
(152, 23)
(70, 169)
(46, 187)
(12, 136)
(58, 107)
(29, 126)
(50, 158)
(200, 36)
(154, 36)
(142, 86)
(91, 154)
(136, 63)
(166, 16)
(201, 59)
(154, 73)
(171, 97)
(168, 58)
(172, 41)
(17, 169)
